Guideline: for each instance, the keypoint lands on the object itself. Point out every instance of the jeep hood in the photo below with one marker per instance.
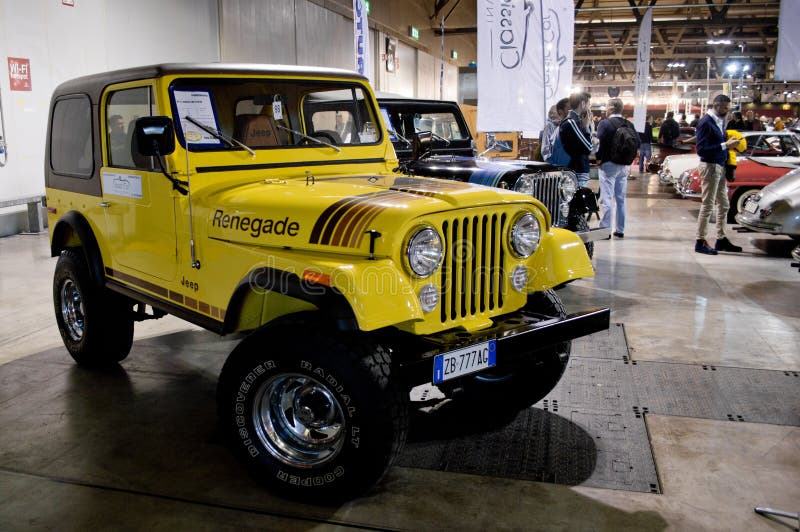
(335, 213)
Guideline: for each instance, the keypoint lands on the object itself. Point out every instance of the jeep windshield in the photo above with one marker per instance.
(271, 114)
(444, 120)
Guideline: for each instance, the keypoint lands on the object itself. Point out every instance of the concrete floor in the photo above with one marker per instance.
(62, 468)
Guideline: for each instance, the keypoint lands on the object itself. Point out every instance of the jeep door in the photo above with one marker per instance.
(138, 199)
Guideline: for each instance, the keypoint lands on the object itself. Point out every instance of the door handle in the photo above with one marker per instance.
(105, 204)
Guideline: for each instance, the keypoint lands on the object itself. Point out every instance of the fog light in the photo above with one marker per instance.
(519, 278)
(564, 209)
(428, 298)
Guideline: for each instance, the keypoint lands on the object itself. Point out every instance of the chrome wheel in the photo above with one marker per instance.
(298, 420)
(72, 309)
(743, 197)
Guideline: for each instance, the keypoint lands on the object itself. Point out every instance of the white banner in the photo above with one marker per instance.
(642, 71)
(510, 75)
(558, 30)
(787, 62)
(525, 52)
(361, 39)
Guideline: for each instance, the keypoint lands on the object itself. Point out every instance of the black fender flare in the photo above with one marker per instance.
(584, 202)
(74, 222)
(332, 303)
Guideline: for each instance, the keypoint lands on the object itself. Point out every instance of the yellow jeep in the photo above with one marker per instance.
(210, 192)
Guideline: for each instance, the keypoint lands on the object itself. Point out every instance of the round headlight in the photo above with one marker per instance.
(567, 186)
(524, 184)
(525, 235)
(424, 252)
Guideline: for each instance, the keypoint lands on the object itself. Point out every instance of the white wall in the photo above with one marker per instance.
(64, 42)
(98, 35)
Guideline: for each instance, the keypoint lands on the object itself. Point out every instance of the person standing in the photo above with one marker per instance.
(613, 167)
(646, 138)
(738, 122)
(752, 123)
(713, 151)
(670, 131)
(557, 113)
(576, 137)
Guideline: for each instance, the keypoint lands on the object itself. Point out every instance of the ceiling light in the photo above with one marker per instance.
(718, 41)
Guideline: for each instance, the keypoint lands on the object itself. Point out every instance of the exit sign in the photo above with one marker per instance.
(413, 32)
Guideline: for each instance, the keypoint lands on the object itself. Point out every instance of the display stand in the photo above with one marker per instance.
(771, 511)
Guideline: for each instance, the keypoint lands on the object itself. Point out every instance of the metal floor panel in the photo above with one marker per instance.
(585, 432)
(590, 430)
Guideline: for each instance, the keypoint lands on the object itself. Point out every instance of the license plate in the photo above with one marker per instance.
(751, 206)
(464, 361)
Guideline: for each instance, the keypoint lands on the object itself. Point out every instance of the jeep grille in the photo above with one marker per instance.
(472, 269)
(546, 190)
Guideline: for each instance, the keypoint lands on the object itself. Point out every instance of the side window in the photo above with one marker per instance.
(122, 109)
(71, 150)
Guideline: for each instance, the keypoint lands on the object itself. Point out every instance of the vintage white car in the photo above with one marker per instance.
(782, 145)
(776, 209)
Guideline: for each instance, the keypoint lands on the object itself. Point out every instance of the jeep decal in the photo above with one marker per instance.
(255, 226)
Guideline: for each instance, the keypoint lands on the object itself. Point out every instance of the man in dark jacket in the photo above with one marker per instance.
(613, 176)
(713, 151)
(670, 131)
(576, 138)
(738, 122)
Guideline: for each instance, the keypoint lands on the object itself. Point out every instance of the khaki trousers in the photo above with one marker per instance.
(715, 189)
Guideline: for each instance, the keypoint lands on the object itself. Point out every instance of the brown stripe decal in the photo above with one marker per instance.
(177, 297)
(150, 287)
(349, 223)
(334, 221)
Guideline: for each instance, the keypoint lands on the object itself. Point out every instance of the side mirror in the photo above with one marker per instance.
(155, 135)
(421, 147)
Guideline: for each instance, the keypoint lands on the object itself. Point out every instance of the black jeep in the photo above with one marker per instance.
(432, 139)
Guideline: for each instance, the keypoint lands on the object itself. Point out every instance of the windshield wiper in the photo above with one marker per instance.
(399, 136)
(232, 142)
(312, 139)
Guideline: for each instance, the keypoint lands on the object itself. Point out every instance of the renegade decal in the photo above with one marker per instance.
(255, 226)
(127, 185)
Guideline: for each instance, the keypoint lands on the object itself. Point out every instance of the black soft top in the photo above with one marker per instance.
(94, 84)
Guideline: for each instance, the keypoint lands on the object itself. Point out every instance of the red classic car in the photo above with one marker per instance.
(752, 175)
(661, 151)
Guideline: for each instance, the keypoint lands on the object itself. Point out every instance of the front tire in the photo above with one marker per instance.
(316, 416)
(737, 202)
(95, 323)
(514, 387)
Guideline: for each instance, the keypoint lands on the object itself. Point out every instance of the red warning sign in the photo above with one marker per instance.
(19, 73)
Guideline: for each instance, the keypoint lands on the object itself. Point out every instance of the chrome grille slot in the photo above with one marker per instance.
(472, 270)
(545, 189)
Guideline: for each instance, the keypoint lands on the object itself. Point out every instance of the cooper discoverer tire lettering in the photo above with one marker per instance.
(317, 416)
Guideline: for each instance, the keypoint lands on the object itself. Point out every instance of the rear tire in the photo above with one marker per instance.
(514, 387)
(315, 415)
(95, 323)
